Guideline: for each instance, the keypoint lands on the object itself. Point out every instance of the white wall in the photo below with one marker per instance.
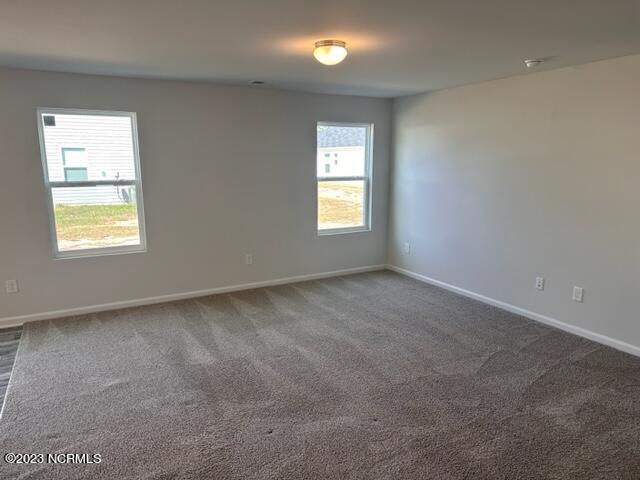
(225, 170)
(497, 183)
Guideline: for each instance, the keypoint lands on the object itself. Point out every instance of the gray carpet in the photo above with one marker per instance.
(371, 376)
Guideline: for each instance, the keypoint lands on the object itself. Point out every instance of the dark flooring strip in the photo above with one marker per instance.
(9, 340)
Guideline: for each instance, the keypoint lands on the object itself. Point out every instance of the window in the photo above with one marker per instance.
(75, 164)
(92, 174)
(343, 191)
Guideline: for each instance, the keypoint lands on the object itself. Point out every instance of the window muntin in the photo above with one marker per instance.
(343, 177)
(92, 175)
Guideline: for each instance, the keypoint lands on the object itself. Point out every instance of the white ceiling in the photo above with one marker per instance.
(396, 47)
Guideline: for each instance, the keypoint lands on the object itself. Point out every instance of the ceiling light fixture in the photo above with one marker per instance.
(330, 52)
(534, 62)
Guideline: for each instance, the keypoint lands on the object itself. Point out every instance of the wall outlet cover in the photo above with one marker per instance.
(11, 286)
(578, 294)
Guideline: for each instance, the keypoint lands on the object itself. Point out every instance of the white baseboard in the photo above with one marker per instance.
(596, 337)
(21, 319)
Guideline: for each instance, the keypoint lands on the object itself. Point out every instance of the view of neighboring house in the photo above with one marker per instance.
(341, 151)
(89, 148)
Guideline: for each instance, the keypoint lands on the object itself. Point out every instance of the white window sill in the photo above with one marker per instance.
(342, 231)
(100, 252)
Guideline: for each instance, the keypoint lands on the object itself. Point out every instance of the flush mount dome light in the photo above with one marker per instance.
(534, 62)
(330, 52)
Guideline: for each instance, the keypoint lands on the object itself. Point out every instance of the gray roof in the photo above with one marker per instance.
(334, 136)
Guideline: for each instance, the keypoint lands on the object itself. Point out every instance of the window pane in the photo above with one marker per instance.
(103, 144)
(341, 204)
(74, 157)
(75, 174)
(341, 151)
(95, 217)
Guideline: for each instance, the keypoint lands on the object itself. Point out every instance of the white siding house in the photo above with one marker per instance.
(340, 151)
(93, 148)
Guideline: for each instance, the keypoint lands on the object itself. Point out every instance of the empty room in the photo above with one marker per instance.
(281, 239)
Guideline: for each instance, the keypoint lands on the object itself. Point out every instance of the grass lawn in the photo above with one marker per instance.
(340, 204)
(75, 223)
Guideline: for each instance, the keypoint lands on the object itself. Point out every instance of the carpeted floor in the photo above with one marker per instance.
(371, 376)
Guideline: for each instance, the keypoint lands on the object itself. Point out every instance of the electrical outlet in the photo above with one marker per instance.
(578, 294)
(540, 283)
(11, 286)
(407, 248)
(248, 259)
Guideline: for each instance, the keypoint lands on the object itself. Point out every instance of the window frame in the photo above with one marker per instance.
(367, 178)
(50, 185)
